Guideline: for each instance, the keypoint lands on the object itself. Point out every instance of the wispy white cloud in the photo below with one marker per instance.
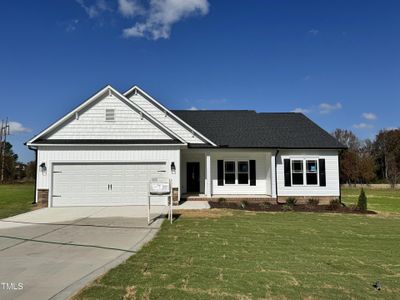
(16, 127)
(130, 8)
(369, 116)
(313, 31)
(94, 8)
(326, 108)
(363, 126)
(193, 108)
(301, 110)
(161, 15)
(71, 25)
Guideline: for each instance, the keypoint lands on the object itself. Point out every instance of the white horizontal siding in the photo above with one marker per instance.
(263, 170)
(51, 155)
(166, 120)
(331, 169)
(263, 183)
(91, 123)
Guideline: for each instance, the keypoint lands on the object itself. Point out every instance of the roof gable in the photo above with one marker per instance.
(88, 122)
(184, 130)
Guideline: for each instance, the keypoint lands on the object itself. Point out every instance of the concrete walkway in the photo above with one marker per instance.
(53, 252)
(193, 205)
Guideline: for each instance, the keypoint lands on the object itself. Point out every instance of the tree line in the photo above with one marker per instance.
(372, 160)
(14, 170)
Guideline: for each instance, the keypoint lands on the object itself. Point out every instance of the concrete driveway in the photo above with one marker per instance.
(53, 252)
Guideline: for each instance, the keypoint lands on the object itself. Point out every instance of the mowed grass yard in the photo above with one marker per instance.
(16, 199)
(383, 200)
(223, 254)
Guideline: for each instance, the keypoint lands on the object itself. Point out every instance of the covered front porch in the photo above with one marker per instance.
(233, 174)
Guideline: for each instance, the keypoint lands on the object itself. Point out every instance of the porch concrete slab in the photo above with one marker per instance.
(54, 252)
(194, 205)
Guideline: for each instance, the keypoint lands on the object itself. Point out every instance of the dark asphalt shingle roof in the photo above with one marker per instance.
(249, 129)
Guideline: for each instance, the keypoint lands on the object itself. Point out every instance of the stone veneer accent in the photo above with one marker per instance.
(43, 197)
(304, 199)
(229, 199)
(281, 200)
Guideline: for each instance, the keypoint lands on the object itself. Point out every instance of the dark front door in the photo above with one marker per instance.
(193, 177)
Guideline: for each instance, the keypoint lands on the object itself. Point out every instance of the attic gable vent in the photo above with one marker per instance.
(110, 114)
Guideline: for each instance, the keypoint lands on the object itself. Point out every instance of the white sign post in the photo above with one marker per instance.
(171, 204)
(160, 186)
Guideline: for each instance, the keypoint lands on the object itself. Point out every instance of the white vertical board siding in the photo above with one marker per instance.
(263, 183)
(101, 184)
(166, 120)
(91, 123)
(192, 157)
(78, 154)
(331, 170)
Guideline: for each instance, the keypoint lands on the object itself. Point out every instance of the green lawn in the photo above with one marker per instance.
(15, 199)
(221, 254)
(384, 200)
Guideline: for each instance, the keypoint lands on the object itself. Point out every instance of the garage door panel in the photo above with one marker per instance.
(88, 184)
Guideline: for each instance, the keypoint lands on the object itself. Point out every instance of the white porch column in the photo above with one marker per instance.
(273, 179)
(207, 184)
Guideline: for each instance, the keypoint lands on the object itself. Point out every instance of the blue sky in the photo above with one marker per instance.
(337, 61)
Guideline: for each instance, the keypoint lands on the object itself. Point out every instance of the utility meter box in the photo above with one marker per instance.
(159, 186)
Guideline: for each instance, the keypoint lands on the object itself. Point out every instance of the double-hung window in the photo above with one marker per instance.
(305, 172)
(243, 172)
(230, 172)
(237, 172)
(297, 172)
(311, 172)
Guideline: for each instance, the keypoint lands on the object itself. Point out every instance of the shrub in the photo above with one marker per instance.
(291, 201)
(313, 202)
(286, 207)
(362, 201)
(353, 207)
(265, 205)
(221, 200)
(244, 204)
(334, 204)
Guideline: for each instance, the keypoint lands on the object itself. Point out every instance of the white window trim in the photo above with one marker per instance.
(236, 161)
(317, 172)
(248, 172)
(291, 171)
(304, 159)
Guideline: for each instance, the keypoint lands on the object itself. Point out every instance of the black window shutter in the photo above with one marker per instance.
(322, 175)
(220, 171)
(252, 172)
(286, 163)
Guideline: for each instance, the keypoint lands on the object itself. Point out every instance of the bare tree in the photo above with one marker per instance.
(347, 138)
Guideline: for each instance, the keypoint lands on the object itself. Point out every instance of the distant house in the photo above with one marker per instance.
(105, 151)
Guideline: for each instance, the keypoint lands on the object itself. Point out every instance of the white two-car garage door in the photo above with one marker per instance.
(101, 184)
